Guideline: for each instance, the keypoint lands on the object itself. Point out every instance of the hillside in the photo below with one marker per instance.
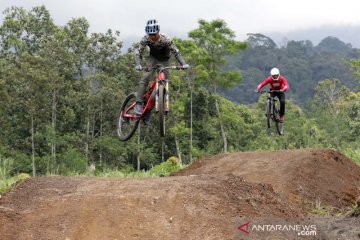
(303, 64)
(207, 200)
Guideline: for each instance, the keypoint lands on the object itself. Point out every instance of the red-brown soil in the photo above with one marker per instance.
(210, 199)
(303, 176)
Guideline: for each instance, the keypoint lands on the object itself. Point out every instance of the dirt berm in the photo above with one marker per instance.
(229, 196)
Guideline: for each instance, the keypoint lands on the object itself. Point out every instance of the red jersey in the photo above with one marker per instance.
(280, 84)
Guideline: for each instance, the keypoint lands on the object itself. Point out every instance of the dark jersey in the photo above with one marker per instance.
(160, 50)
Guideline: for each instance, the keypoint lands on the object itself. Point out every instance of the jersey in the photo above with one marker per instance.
(160, 50)
(280, 84)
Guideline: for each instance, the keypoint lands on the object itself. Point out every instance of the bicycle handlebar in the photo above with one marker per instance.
(160, 68)
(270, 91)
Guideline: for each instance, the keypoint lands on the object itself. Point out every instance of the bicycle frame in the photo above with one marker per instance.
(156, 96)
(272, 111)
(270, 103)
(151, 94)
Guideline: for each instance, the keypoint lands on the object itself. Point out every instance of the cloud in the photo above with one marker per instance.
(180, 17)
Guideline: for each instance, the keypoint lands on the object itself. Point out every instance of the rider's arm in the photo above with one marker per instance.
(263, 84)
(138, 55)
(174, 50)
(285, 85)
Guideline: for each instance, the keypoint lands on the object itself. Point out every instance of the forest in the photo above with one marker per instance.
(61, 88)
(302, 63)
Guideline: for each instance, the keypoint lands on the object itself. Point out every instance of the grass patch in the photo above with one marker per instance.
(321, 210)
(352, 153)
(7, 183)
(164, 169)
(356, 209)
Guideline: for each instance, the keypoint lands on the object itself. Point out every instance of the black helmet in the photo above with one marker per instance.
(152, 27)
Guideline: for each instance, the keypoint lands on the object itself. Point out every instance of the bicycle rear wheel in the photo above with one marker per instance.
(162, 109)
(127, 122)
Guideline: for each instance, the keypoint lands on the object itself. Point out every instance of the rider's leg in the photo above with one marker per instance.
(140, 92)
(165, 63)
(147, 117)
(144, 81)
(281, 97)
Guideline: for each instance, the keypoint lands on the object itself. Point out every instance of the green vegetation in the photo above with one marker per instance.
(321, 210)
(356, 209)
(164, 169)
(302, 63)
(7, 183)
(61, 88)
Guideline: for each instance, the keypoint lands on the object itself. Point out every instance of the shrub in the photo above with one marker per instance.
(166, 168)
(7, 183)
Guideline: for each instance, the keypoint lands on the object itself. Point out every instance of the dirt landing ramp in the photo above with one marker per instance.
(163, 208)
(303, 176)
(213, 199)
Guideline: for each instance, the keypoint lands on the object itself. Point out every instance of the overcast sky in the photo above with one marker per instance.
(179, 17)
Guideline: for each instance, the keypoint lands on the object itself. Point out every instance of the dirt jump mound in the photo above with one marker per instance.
(304, 176)
(210, 199)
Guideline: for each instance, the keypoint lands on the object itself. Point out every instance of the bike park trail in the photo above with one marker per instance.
(213, 198)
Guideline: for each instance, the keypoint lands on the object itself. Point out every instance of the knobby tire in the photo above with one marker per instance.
(268, 113)
(126, 127)
(278, 124)
(162, 109)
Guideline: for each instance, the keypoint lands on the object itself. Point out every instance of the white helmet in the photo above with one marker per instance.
(152, 27)
(275, 74)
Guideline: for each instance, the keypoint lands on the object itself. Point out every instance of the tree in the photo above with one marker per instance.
(218, 41)
(196, 57)
(25, 35)
(330, 99)
(259, 40)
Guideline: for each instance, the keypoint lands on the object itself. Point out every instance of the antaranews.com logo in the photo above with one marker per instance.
(248, 228)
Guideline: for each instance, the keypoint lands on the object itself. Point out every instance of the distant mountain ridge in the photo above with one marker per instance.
(302, 63)
(346, 33)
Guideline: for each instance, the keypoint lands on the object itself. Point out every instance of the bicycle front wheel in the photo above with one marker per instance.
(127, 122)
(279, 126)
(268, 113)
(162, 109)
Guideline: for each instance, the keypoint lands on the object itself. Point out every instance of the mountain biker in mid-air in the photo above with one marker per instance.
(160, 47)
(277, 83)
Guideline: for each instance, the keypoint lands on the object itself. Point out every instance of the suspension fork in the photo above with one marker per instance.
(165, 83)
(269, 106)
(157, 96)
(167, 107)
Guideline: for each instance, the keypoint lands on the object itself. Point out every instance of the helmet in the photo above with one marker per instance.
(275, 74)
(152, 27)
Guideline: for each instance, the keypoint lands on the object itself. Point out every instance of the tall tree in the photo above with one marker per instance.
(218, 41)
(330, 98)
(25, 34)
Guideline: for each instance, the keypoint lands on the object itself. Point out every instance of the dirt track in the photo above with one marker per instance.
(208, 200)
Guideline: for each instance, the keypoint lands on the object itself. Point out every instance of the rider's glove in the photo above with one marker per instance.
(138, 67)
(282, 90)
(256, 90)
(185, 66)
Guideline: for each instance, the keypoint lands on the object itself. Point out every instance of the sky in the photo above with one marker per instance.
(177, 18)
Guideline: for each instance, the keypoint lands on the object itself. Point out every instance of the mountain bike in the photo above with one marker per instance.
(156, 96)
(272, 112)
